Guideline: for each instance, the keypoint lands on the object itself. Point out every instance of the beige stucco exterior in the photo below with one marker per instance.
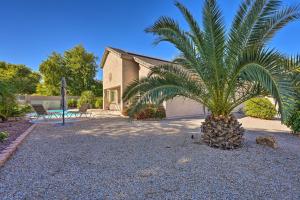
(183, 107)
(143, 72)
(120, 68)
(112, 81)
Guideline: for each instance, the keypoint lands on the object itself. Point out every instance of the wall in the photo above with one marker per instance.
(112, 75)
(143, 72)
(183, 107)
(179, 106)
(49, 102)
(130, 73)
(112, 71)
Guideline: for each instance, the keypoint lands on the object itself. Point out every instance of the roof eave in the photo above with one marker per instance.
(141, 62)
(111, 50)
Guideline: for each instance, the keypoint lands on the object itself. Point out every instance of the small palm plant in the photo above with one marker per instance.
(220, 69)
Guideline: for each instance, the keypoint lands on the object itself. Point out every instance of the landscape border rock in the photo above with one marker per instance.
(8, 151)
(269, 141)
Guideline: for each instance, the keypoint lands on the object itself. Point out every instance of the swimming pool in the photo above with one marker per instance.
(58, 114)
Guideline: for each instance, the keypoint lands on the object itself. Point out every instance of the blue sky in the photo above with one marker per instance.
(32, 29)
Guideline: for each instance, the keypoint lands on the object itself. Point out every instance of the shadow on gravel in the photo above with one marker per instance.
(117, 159)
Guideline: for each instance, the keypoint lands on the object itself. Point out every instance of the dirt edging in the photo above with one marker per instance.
(9, 150)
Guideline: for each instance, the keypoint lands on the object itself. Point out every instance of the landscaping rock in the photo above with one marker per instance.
(269, 141)
(111, 158)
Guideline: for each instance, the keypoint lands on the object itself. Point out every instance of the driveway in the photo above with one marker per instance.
(112, 158)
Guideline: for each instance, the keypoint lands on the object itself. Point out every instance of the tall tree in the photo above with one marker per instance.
(221, 69)
(97, 88)
(52, 69)
(78, 67)
(81, 66)
(21, 79)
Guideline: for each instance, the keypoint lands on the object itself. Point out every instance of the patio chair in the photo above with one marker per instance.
(81, 111)
(42, 112)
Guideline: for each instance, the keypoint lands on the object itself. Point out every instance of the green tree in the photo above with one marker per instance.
(78, 67)
(221, 69)
(20, 78)
(41, 89)
(82, 69)
(52, 69)
(7, 100)
(97, 88)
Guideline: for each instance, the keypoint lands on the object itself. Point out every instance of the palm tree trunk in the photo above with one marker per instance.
(222, 132)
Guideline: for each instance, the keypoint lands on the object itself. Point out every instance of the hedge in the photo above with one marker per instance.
(260, 108)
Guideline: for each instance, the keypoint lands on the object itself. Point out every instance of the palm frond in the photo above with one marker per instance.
(196, 33)
(156, 89)
(168, 30)
(266, 70)
(269, 25)
(214, 34)
(242, 28)
(218, 70)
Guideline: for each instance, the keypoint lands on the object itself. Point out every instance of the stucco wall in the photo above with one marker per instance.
(112, 75)
(112, 71)
(49, 102)
(130, 72)
(183, 107)
(179, 106)
(143, 72)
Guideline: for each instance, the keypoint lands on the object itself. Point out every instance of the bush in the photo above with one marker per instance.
(8, 104)
(87, 97)
(260, 108)
(72, 103)
(293, 122)
(3, 136)
(99, 102)
(24, 109)
(16, 111)
(151, 112)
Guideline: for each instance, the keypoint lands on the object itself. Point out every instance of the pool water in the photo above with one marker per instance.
(58, 112)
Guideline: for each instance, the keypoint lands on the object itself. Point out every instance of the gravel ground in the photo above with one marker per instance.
(111, 158)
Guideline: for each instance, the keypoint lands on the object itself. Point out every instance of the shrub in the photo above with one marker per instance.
(98, 102)
(3, 136)
(20, 110)
(87, 97)
(72, 103)
(260, 108)
(8, 104)
(24, 109)
(151, 112)
(293, 122)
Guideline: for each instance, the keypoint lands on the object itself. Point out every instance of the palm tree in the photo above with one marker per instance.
(220, 69)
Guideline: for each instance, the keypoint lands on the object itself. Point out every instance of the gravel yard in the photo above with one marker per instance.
(111, 158)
